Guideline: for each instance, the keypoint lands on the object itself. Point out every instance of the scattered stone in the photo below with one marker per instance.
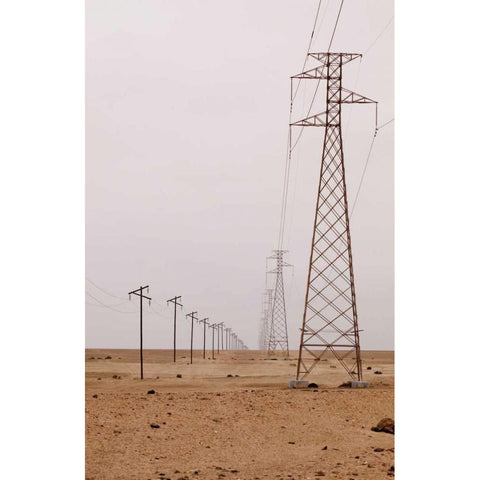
(378, 449)
(377, 372)
(95, 396)
(154, 425)
(179, 375)
(386, 425)
(369, 368)
(150, 392)
(312, 385)
(324, 448)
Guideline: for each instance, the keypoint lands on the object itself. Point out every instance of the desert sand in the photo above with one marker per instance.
(249, 425)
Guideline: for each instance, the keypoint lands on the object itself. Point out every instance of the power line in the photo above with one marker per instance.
(160, 314)
(107, 306)
(366, 164)
(288, 159)
(363, 174)
(103, 290)
(309, 45)
(386, 123)
(336, 23)
(379, 35)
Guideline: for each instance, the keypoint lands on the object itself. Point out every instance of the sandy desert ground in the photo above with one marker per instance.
(249, 425)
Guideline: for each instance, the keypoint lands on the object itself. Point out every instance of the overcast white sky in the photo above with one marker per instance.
(186, 128)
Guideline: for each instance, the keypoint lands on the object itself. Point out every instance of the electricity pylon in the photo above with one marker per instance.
(330, 320)
(278, 334)
(265, 320)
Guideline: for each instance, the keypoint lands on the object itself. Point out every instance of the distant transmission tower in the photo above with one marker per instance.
(264, 321)
(330, 320)
(278, 334)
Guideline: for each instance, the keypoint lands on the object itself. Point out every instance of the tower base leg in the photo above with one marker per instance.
(298, 383)
(358, 384)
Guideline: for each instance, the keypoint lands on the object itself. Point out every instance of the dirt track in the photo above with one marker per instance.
(249, 426)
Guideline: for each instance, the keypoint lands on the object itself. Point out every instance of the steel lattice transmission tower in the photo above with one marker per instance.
(264, 321)
(330, 320)
(278, 334)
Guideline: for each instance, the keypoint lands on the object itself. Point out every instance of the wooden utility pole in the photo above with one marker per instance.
(139, 293)
(175, 301)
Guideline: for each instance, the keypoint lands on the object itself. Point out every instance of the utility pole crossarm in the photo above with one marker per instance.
(345, 57)
(314, 73)
(318, 120)
(351, 97)
(136, 292)
(174, 300)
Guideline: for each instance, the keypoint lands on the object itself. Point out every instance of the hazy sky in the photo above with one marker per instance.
(187, 108)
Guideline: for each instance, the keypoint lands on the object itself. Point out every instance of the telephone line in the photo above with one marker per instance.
(103, 290)
(105, 305)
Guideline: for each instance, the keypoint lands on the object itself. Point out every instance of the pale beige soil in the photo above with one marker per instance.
(247, 427)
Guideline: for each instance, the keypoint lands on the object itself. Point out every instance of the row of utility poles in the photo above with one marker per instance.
(226, 338)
